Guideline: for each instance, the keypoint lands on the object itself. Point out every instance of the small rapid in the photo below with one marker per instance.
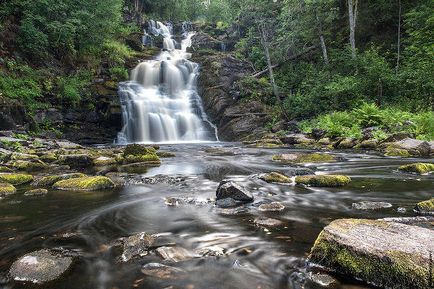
(160, 103)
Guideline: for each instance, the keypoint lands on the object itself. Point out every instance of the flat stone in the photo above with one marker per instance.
(272, 207)
(40, 266)
(161, 271)
(267, 222)
(365, 205)
(65, 144)
(175, 254)
(136, 246)
(386, 254)
(229, 189)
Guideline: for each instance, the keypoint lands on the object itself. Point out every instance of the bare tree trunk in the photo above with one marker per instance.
(399, 37)
(352, 15)
(322, 40)
(265, 45)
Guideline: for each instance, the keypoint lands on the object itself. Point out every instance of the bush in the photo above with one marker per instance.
(70, 89)
(119, 73)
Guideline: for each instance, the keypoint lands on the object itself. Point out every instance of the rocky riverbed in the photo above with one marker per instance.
(264, 214)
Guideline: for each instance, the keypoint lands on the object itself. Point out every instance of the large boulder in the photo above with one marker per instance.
(229, 189)
(15, 179)
(40, 266)
(85, 184)
(418, 168)
(387, 254)
(414, 146)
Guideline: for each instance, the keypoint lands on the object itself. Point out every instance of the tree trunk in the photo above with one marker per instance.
(352, 16)
(399, 36)
(265, 44)
(322, 41)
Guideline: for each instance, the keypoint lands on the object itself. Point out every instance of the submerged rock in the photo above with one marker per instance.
(418, 168)
(48, 181)
(85, 184)
(175, 254)
(321, 280)
(275, 177)
(425, 207)
(136, 246)
(365, 205)
(323, 180)
(40, 266)
(36, 192)
(272, 207)
(263, 221)
(161, 271)
(304, 158)
(386, 254)
(229, 189)
(226, 203)
(15, 179)
(7, 189)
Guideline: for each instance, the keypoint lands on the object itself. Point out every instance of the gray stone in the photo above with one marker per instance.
(65, 144)
(414, 146)
(36, 192)
(321, 280)
(175, 253)
(226, 203)
(76, 160)
(269, 222)
(365, 205)
(161, 271)
(40, 266)
(272, 207)
(229, 189)
(296, 138)
(136, 246)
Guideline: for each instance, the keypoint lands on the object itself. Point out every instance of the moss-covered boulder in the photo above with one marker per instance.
(323, 180)
(48, 157)
(7, 189)
(104, 161)
(369, 144)
(163, 154)
(28, 166)
(304, 158)
(15, 179)
(140, 154)
(391, 151)
(36, 192)
(418, 168)
(346, 143)
(4, 169)
(275, 177)
(425, 207)
(48, 181)
(387, 254)
(85, 184)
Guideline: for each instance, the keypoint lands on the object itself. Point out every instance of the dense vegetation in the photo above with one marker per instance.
(327, 56)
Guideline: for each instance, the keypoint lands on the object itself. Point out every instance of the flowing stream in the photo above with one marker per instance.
(161, 104)
(255, 256)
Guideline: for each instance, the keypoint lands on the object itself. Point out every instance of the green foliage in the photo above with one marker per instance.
(255, 89)
(115, 52)
(70, 88)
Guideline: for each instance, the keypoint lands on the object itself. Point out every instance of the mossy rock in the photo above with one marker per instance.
(149, 158)
(75, 160)
(391, 151)
(370, 144)
(323, 180)
(324, 141)
(48, 157)
(425, 207)
(48, 181)
(275, 177)
(304, 158)
(163, 154)
(346, 143)
(15, 179)
(25, 157)
(138, 150)
(36, 192)
(418, 168)
(386, 254)
(85, 184)
(104, 161)
(29, 166)
(4, 169)
(7, 189)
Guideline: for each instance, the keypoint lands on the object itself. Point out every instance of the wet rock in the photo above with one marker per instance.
(232, 211)
(325, 141)
(104, 161)
(85, 184)
(414, 147)
(420, 220)
(29, 166)
(386, 254)
(397, 137)
(75, 160)
(269, 222)
(136, 153)
(275, 177)
(48, 181)
(272, 207)
(321, 280)
(7, 189)
(296, 138)
(391, 151)
(4, 169)
(136, 246)
(163, 154)
(24, 157)
(176, 201)
(15, 179)
(65, 144)
(36, 192)
(163, 179)
(40, 266)
(346, 143)
(371, 205)
(174, 254)
(401, 210)
(213, 251)
(226, 203)
(229, 189)
(425, 207)
(418, 168)
(161, 271)
(323, 180)
(304, 158)
(369, 144)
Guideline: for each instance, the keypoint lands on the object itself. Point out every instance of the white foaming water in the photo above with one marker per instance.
(161, 104)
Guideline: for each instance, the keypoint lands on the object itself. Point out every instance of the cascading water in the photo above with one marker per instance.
(161, 103)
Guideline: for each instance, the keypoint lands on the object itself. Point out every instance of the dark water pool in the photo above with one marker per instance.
(256, 256)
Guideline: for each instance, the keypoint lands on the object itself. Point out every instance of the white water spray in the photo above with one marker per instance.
(161, 103)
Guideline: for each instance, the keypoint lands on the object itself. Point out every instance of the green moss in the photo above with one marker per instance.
(4, 169)
(304, 158)
(48, 157)
(29, 166)
(7, 189)
(139, 154)
(25, 157)
(138, 150)
(323, 180)
(149, 158)
(85, 184)
(50, 180)
(104, 161)
(165, 154)
(426, 207)
(15, 179)
(367, 144)
(275, 177)
(396, 152)
(419, 168)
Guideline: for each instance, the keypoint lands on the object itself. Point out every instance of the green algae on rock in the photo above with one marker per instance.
(391, 151)
(323, 180)
(275, 177)
(304, 158)
(29, 166)
(419, 168)
(387, 254)
(85, 184)
(140, 154)
(48, 181)
(15, 179)
(425, 207)
(7, 189)
(36, 192)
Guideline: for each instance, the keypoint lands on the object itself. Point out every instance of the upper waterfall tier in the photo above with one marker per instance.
(161, 103)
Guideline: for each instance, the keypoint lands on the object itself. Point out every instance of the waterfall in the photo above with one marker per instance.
(160, 103)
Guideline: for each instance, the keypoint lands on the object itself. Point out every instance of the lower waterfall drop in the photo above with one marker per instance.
(160, 103)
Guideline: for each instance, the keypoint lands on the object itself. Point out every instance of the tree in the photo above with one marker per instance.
(352, 16)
